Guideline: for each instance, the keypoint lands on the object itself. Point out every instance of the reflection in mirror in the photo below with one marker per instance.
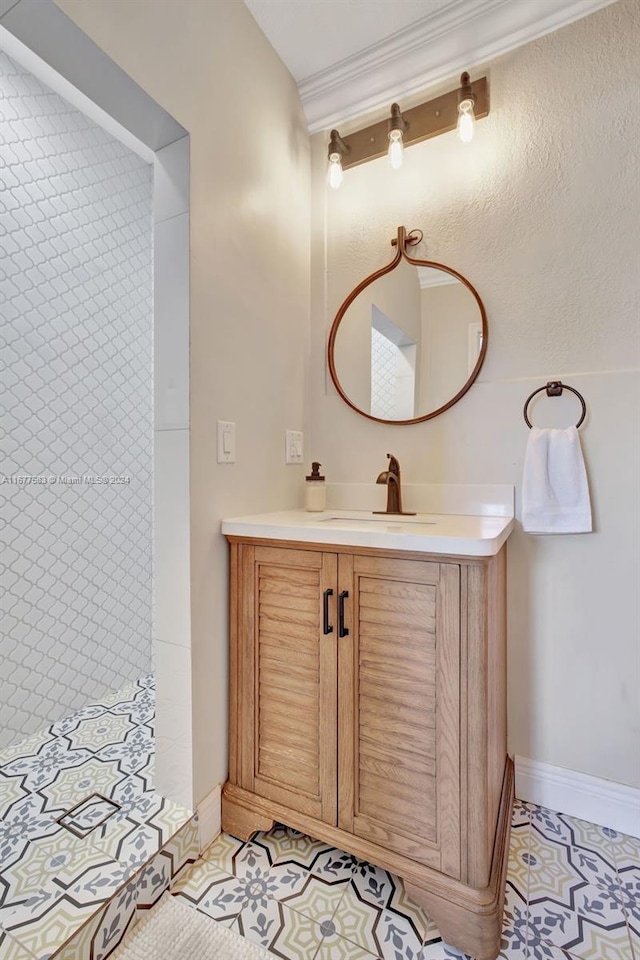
(408, 343)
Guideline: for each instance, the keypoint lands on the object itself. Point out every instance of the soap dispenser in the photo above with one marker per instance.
(315, 490)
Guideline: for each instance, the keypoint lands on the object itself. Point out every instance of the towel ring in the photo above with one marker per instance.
(554, 389)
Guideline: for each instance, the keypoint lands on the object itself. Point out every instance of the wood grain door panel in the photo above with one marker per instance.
(399, 707)
(289, 720)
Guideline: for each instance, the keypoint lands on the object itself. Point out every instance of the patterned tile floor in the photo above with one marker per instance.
(573, 888)
(573, 891)
(72, 896)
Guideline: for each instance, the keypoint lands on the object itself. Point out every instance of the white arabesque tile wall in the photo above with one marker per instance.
(384, 360)
(76, 307)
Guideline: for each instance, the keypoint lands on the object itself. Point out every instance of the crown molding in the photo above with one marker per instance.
(432, 277)
(462, 35)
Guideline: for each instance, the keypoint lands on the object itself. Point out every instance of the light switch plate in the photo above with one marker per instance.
(226, 441)
(294, 452)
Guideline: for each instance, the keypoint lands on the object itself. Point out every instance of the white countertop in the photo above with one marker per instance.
(447, 534)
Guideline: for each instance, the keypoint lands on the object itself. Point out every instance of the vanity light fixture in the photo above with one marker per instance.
(466, 104)
(337, 150)
(397, 127)
(459, 108)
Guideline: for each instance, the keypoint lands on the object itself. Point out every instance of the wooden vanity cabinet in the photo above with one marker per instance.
(368, 709)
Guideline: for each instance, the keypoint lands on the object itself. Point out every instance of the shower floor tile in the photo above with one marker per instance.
(73, 897)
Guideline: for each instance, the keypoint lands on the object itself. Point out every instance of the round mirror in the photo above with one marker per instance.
(409, 341)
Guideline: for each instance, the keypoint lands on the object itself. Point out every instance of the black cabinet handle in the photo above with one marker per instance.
(327, 628)
(342, 630)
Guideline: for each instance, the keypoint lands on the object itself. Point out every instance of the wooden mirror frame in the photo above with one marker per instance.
(401, 243)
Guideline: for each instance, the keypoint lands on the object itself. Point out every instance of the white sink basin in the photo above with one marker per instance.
(450, 534)
(391, 522)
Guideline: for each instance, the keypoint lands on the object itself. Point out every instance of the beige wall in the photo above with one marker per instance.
(210, 66)
(447, 311)
(541, 214)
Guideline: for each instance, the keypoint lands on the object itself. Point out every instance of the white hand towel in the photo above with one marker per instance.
(555, 493)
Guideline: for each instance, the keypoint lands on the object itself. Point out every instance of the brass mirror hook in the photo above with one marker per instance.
(404, 239)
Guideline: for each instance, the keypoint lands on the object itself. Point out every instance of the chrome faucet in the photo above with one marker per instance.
(391, 478)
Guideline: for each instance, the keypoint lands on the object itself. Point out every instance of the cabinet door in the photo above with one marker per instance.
(287, 685)
(399, 708)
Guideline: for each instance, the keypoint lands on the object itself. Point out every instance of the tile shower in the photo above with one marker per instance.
(71, 886)
(76, 399)
(76, 476)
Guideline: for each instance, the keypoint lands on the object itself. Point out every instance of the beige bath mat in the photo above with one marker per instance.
(175, 931)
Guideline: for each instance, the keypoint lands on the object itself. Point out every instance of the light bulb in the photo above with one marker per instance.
(466, 121)
(396, 149)
(335, 170)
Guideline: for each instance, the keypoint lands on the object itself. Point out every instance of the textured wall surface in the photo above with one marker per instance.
(76, 311)
(541, 214)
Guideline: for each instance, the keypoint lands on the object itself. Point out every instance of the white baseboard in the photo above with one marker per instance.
(210, 817)
(604, 802)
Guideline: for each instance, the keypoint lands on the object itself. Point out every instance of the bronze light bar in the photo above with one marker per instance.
(427, 120)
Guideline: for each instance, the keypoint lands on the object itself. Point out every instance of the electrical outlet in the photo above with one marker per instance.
(294, 452)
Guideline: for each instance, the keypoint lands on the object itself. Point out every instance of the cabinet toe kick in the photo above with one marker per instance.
(469, 918)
